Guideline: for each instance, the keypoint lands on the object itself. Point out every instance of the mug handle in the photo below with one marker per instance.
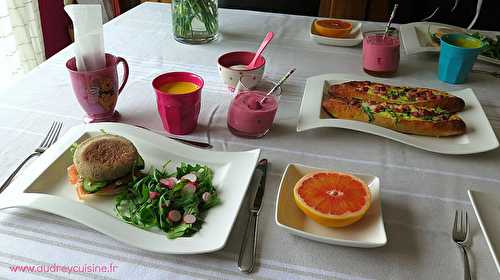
(125, 73)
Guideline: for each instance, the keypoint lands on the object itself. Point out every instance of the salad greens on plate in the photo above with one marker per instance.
(492, 47)
(175, 202)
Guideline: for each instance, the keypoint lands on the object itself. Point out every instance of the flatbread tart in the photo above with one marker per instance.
(423, 97)
(404, 118)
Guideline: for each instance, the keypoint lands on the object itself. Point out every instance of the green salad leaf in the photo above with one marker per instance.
(491, 47)
(92, 187)
(178, 231)
(365, 108)
(149, 200)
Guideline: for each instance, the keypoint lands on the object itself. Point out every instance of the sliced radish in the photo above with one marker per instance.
(169, 182)
(189, 219)
(153, 195)
(174, 216)
(190, 177)
(189, 187)
(206, 196)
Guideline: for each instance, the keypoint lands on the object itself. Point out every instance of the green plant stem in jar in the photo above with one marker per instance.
(195, 21)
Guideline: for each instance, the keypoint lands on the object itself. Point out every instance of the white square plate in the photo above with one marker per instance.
(44, 186)
(369, 232)
(354, 39)
(479, 136)
(416, 38)
(487, 209)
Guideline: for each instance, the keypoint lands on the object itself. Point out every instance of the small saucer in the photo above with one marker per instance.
(369, 232)
(112, 118)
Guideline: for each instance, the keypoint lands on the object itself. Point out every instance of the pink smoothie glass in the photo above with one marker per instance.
(178, 112)
(381, 52)
(249, 116)
(97, 91)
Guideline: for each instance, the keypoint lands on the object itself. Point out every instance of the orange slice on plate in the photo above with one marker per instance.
(332, 27)
(332, 199)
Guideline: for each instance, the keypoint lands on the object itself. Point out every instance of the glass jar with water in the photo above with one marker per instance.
(195, 21)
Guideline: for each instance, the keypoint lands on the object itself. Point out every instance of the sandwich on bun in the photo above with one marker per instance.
(104, 165)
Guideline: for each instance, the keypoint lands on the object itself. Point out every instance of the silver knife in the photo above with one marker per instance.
(185, 141)
(246, 261)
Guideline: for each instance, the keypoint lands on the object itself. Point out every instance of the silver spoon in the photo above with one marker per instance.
(278, 84)
(388, 25)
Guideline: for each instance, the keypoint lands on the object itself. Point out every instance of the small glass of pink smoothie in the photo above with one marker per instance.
(250, 117)
(381, 53)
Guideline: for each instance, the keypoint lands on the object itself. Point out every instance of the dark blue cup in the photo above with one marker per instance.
(457, 56)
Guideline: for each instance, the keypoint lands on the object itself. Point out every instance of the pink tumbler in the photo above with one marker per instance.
(178, 112)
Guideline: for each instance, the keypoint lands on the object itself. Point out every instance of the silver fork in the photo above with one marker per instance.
(460, 233)
(49, 139)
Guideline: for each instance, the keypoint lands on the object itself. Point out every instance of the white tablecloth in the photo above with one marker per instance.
(420, 190)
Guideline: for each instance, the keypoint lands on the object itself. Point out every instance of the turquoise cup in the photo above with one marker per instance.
(457, 56)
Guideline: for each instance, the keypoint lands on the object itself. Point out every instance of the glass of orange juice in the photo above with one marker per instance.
(178, 96)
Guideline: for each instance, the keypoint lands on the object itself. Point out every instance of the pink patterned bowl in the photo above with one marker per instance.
(250, 77)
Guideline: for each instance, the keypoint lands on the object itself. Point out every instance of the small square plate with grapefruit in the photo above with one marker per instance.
(353, 38)
(367, 232)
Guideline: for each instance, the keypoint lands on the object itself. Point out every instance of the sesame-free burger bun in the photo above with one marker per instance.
(105, 157)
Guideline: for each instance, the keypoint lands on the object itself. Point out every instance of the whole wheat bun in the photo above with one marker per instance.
(105, 157)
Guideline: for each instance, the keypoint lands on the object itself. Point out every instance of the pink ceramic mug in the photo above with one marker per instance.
(178, 112)
(97, 91)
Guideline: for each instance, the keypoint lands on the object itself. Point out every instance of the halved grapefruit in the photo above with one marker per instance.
(332, 27)
(332, 199)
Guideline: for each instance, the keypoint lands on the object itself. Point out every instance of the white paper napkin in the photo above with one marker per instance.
(89, 43)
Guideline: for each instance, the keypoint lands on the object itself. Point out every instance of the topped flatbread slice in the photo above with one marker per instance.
(403, 118)
(378, 92)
